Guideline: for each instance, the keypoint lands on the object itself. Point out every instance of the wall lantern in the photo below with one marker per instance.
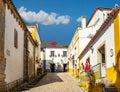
(111, 52)
(92, 49)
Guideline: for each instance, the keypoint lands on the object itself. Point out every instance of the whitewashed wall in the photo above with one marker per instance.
(108, 39)
(14, 57)
(101, 15)
(56, 59)
(83, 37)
(94, 24)
(74, 52)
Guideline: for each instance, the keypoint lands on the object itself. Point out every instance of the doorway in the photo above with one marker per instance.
(52, 67)
(64, 67)
(101, 58)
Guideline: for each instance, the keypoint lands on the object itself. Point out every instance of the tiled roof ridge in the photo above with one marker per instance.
(110, 16)
(18, 18)
(98, 8)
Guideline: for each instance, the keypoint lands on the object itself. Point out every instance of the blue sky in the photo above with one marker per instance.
(57, 19)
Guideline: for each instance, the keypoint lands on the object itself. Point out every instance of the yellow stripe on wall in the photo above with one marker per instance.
(71, 71)
(117, 37)
(114, 73)
(33, 33)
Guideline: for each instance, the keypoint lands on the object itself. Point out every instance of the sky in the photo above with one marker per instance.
(57, 19)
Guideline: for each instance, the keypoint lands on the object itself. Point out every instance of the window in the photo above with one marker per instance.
(102, 54)
(15, 38)
(52, 53)
(59, 55)
(64, 53)
(88, 59)
(75, 48)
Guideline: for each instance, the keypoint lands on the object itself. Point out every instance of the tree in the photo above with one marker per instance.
(52, 43)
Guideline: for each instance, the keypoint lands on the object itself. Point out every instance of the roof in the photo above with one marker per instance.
(100, 30)
(15, 13)
(36, 26)
(18, 18)
(99, 8)
(33, 25)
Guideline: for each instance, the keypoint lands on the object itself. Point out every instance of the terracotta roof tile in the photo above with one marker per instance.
(100, 30)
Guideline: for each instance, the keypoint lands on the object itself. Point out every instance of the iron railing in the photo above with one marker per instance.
(96, 69)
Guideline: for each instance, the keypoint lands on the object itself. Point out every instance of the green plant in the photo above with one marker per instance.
(90, 76)
(36, 43)
(39, 71)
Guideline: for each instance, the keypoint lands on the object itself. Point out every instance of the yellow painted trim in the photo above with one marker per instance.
(97, 75)
(42, 55)
(116, 71)
(100, 45)
(113, 75)
(42, 59)
(71, 71)
(33, 32)
(83, 78)
(117, 36)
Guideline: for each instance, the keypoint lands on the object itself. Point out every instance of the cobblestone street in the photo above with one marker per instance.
(57, 82)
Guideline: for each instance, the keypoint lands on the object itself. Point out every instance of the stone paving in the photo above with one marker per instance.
(57, 82)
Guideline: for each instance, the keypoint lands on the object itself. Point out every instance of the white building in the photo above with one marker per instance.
(55, 59)
(34, 31)
(82, 37)
(15, 47)
(103, 50)
(14, 44)
(96, 20)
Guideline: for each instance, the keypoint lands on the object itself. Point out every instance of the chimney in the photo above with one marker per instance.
(83, 21)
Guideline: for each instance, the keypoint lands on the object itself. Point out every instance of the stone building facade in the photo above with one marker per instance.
(2, 32)
(14, 47)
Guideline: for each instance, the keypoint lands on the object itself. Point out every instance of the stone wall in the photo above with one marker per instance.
(2, 33)
(2, 73)
(2, 27)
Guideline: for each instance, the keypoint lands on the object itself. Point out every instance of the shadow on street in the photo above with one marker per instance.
(49, 78)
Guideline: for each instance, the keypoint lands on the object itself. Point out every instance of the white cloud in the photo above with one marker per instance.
(79, 19)
(43, 17)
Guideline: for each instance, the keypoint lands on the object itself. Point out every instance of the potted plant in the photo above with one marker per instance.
(90, 73)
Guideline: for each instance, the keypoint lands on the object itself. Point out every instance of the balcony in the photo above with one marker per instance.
(88, 32)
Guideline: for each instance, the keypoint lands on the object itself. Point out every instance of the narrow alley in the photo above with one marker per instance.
(43, 44)
(57, 82)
